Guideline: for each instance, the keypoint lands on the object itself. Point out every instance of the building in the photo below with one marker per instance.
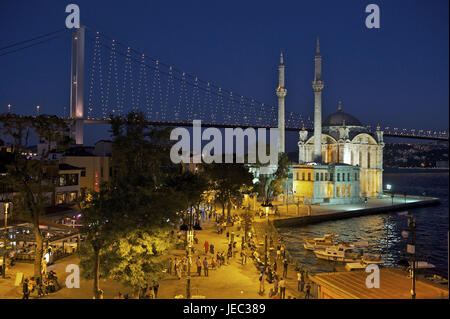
(67, 188)
(94, 163)
(394, 284)
(334, 183)
(340, 163)
(342, 149)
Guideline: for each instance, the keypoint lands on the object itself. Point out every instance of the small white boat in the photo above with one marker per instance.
(341, 252)
(372, 259)
(320, 243)
(355, 266)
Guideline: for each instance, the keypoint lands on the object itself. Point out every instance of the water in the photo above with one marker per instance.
(383, 232)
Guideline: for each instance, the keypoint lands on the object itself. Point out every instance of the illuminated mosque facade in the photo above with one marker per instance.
(341, 162)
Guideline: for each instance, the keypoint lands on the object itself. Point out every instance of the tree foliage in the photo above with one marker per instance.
(33, 178)
(228, 180)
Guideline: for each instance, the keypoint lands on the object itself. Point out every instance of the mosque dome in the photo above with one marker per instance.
(341, 118)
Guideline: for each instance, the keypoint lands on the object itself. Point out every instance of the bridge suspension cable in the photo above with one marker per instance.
(182, 97)
(61, 33)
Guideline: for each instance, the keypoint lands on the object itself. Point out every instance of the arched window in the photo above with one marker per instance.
(368, 159)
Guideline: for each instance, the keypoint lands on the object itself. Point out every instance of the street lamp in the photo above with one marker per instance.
(190, 239)
(412, 250)
(388, 187)
(6, 193)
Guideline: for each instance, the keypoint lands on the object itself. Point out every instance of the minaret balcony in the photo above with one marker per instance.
(281, 92)
(318, 85)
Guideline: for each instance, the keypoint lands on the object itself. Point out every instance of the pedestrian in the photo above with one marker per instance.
(25, 290)
(155, 289)
(282, 285)
(308, 291)
(285, 267)
(275, 266)
(275, 285)
(302, 284)
(261, 282)
(205, 267)
(232, 237)
(199, 266)
(211, 249)
(179, 269)
(169, 270)
(206, 246)
(244, 257)
(175, 265)
(228, 235)
(299, 281)
(278, 252)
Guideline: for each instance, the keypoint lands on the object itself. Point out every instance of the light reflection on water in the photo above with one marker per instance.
(383, 232)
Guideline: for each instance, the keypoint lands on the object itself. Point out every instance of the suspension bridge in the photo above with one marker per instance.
(119, 79)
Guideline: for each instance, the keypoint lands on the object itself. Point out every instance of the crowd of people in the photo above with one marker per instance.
(273, 267)
(42, 287)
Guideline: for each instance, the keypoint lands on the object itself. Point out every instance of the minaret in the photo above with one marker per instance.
(281, 93)
(317, 87)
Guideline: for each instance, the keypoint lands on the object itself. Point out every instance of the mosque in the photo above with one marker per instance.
(342, 162)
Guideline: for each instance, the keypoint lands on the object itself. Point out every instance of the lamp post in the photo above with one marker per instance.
(412, 250)
(6, 192)
(265, 252)
(189, 245)
(5, 240)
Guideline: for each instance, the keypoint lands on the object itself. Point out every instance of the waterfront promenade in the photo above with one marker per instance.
(231, 281)
(293, 215)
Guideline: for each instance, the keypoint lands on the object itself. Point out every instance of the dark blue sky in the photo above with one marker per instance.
(396, 75)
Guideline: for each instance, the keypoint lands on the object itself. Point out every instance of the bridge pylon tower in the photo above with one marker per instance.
(77, 85)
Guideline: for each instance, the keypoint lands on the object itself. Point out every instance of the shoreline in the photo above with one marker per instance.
(345, 214)
(272, 224)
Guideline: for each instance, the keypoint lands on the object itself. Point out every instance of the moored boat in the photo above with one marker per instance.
(369, 259)
(320, 243)
(340, 252)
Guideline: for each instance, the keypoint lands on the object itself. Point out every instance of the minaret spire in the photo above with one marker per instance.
(281, 94)
(317, 87)
(318, 47)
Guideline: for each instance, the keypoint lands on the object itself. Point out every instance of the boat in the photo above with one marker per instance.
(341, 252)
(372, 259)
(319, 243)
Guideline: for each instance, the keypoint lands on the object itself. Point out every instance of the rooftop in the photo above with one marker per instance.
(394, 284)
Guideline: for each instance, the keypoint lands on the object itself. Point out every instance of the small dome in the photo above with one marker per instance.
(340, 118)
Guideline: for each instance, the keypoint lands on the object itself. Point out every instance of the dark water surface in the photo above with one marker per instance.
(383, 232)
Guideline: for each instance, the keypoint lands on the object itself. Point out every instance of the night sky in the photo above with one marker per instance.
(396, 75)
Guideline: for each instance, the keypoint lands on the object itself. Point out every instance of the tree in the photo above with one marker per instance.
(33, 178)
(271, 185)
(103, 220)
(139, 197)
(227, 180)
(135, 259)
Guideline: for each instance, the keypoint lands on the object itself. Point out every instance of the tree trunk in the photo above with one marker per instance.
(228, 211)
(223, 210)
(96, 272)
(39, 252)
